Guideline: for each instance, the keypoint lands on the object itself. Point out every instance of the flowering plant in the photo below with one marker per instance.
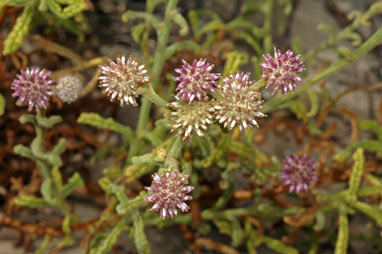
(197, 157)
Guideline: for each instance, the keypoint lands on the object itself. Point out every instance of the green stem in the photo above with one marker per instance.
(152, 95)
(171, 158)
(268, 12)
(45, 167)
(159, 59)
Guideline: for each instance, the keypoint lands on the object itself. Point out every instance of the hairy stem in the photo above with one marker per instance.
(163, 33)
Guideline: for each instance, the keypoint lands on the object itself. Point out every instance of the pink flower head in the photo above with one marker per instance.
(299, 172)
(120, 80)
(239, 106)
(282, 71)
(34, 87)
(168, 192)
(196, 80)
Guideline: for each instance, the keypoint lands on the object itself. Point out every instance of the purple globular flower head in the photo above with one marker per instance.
(196, 80)
(120, 80)
(190, 118)
(282, 71)
(299, 172)
(33, 87)
(68, 89)
(169, 192)
(239, 105)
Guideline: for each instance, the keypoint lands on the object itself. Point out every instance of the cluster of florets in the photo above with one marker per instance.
(68, 89)
(196, 80)
(240, 105)
(33, 87)
(169, 192)
(121, 79)
(299, 172)
(195, 106)
(282, 70)
(191, 117)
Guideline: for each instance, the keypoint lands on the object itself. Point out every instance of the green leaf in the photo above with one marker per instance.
(151, 137)
(37, 145)
(129, 15)
(140, 239)
(314, 107)
(136, 32)
(44, 246)
(73, 183)
(60, 147)
(111, 238)
(20, 29)
(104, 183)
(181, 21)
(57, 178)
(320, 221)
(47, 192)
(147, 158)
(277, 245)
(357, 172)
(181, 45)
(30, 201)
(24, 151)
(372, 211)
(371, 125)
(368, 145)
(237, 232)
(2, 103)
(299, 109)
(223, 226)
(235, 60)
(15, 2)
(68, 8)
(217, 153)
(98, 121)
(250, 40)
(343, 233)
(125, 206)
(27, 118)
(48, 122)
(195, 23)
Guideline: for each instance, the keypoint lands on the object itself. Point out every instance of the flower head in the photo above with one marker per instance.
(168, 192)
(68, 89)
(34, 87)
(299, 172)
(189, 118)
(240, 105)
(282, 71)
(196, 80)
(121, 79)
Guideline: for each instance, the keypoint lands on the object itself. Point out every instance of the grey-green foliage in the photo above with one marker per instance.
(98, 121)
(53, 190)
(60, 9)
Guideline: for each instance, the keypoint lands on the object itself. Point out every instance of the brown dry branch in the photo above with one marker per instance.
(189, 236)
(19, 60)
(215, 246)
(303, 218)
(352, 117)
(356, 89)
(80, 67)
(34, 229)
(56, 48)
(256, 223)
